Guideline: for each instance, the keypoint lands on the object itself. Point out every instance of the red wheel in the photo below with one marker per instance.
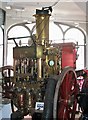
(65, 95)
(7, 81)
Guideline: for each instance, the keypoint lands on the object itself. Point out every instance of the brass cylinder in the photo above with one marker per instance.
(42, 29)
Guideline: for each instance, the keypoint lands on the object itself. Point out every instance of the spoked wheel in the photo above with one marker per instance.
(65, 95)
(7, 81)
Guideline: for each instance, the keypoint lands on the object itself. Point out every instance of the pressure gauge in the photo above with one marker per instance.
(51, 63)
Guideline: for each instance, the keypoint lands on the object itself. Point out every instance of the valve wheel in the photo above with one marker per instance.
(65, 102)
(7, 81)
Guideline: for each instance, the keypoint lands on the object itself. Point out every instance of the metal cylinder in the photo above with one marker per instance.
(42, 27)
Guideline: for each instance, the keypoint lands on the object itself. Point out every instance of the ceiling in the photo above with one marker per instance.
(65, 11)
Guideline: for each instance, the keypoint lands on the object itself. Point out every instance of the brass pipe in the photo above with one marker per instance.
(39, 62)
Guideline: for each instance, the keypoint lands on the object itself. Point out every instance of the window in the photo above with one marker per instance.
(58, 33)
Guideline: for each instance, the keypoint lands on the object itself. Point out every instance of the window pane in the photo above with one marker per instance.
(1, 47)
(17, 31)
(64, 27)
(10, 52)
(30, 25)
(1, 37)
(75, 35)
(80, 60)
(55, 33)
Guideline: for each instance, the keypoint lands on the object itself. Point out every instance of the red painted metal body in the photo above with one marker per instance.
(69, 55)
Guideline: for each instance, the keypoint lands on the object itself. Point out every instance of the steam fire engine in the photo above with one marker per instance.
(44, 84)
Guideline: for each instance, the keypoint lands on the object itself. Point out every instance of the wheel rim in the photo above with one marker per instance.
(65, 95)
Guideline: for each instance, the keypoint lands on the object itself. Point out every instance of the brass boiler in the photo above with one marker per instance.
(42, 36)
